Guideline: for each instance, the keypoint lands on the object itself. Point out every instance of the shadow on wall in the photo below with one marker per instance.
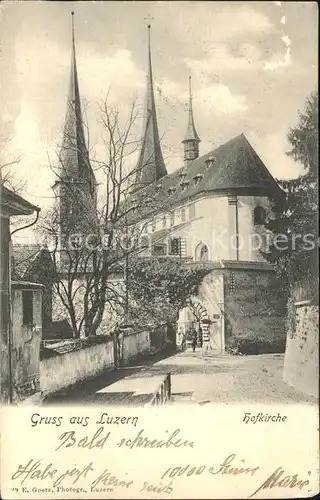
(255, 313)
(301, 362)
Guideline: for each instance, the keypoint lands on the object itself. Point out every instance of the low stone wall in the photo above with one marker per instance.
(72, 362)
(301, 362)
(135, 344)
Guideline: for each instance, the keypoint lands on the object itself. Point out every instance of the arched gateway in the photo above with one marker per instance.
(210, 327)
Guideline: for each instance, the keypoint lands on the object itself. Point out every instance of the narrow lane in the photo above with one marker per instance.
(195, 378)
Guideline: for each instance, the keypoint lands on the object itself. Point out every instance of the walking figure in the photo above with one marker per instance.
(194, 341)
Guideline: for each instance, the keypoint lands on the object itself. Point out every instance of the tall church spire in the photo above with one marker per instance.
(150, 166)
(74, 157)
(191, 139)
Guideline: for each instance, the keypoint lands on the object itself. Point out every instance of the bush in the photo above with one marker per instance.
(250, 343)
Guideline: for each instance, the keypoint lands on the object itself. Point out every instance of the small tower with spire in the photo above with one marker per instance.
(150, 166)
(191, 140)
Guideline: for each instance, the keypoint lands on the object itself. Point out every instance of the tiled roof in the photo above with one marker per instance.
(235, 167)
(15, 204)
(23, 258)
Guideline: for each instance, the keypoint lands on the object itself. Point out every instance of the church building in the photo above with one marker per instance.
(212, 209)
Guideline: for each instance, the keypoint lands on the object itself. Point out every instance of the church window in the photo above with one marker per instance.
(204, 255)
(183, 215)
(172, 219)
(159, 250)
(231, 283)
(174, 248)
(171, 190)
(75, 241)
(27, 307)
(164, 221)
(192, 211)
(153, 226)
(182, 176)
(144, 242)
(144, 228)
(201, 252)
(259, 216)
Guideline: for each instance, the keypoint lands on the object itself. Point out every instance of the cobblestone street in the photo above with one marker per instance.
(195, 377)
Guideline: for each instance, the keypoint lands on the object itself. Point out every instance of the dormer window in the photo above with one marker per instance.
(197, 179)
(171, 190)
(182, 176)
(210, 161)
(184, 185)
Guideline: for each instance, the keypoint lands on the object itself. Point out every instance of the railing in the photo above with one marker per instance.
(163, 393)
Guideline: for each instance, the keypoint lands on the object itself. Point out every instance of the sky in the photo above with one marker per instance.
(252, 64)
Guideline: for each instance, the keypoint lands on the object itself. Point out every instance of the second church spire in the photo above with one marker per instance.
(150, 165)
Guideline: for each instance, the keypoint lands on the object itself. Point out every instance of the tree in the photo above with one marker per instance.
(160, 286)
(92, 261)
(7, 176)
(296, 259)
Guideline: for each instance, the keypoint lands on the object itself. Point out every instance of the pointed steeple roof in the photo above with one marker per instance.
(191, 134)
(150, 166)
(74, 156)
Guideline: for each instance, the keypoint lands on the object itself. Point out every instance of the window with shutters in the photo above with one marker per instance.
(174, 246)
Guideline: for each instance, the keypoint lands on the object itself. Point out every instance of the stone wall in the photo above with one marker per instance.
(254, 305)
(70, 362)
(68, 367)
(134, 345)
(25, 343)
(301, 363)
(4, 308)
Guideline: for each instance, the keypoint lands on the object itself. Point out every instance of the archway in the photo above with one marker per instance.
(202, 252)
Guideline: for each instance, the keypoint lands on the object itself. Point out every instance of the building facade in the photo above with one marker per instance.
(212, 209)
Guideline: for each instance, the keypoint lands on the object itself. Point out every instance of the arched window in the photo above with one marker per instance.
(202, 252)
(204, 255)
(259, 216)
(183, 215)
(164, 221)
